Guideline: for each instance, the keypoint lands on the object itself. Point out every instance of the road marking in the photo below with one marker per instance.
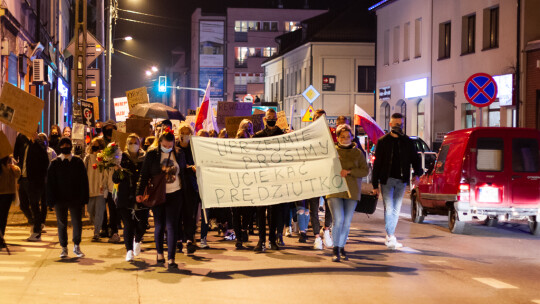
(495, 283)
(11, 278)
(14, 269)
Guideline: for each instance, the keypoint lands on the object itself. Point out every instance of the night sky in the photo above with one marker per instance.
(154, 43)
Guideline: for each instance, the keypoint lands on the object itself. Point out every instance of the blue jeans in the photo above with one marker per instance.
(342, 212)
(392, 194)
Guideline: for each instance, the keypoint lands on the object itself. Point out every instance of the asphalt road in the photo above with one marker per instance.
(490, 265)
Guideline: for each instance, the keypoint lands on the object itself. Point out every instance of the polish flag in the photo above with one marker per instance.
(205, 118)
(372, 129)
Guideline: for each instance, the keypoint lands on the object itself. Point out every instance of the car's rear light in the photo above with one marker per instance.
(464, 192)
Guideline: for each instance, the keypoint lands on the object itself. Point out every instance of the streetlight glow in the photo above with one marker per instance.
(154, 68)
(128, 38)
(148, 73)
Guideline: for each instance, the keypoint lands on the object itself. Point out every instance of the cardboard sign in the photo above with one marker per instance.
(136, 97)
(232, 124)
(121, 108)
(95, 101)
(121, 126)
(5, 146)
(258, 111)
(20, 110)
(120, 138)
(230, 109)
(282, 120)
(77, 133)
(258, 122)
(139, 126)
(88, 113)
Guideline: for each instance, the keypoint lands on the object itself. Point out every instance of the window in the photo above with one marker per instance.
(255, 26)
(491, 28)
(470, 115)
(441, 159)
(269, 51)
(468, 30)
(291, 26)
(396, 44)
(402, 108)
(444, 40)
(240, 26)
(420, 114)
(241, 55)
(385, 114)
(525, 155)
(387, 47)
(417, 38)
(494, 114)
(366, 79)
(489, 155)
(406, 30)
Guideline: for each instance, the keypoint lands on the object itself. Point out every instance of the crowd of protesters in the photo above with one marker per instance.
(49, 175)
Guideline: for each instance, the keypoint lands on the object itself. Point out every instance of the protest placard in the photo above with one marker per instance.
(20, 110)
(258, 111)
(121, 108)
(120, 139)
(88, 113)
(267, 171)
(258, 122)
(78, 131)
(282, 120)
(139, 126)
(95, 101)
(5, 146)
(136, 97)
(229, 109)
(232, 123)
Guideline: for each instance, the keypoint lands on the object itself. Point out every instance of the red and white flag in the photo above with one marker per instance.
(372, 129)
(205, 118)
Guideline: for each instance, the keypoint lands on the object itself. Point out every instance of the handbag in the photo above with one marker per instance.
(367, 204)
(154, 193)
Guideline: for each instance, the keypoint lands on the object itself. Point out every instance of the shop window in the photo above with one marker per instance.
(385, 115)
(420, 114)
(402, 108)
(494, 114)
(470, 115)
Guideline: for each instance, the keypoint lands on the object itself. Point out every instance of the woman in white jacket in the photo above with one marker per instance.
(97, 182)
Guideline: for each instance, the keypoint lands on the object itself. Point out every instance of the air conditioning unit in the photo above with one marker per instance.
(39, 70)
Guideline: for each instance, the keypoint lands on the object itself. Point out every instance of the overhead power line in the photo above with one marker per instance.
(149, 15)
(150, 23)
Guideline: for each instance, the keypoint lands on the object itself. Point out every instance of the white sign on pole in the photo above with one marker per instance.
(121, 108)
(310, 94)
(267, 171)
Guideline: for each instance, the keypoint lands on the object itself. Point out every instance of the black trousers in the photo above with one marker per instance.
(166, 218)
(275, 220)
(114, 218)
(242, 216)
(134, 225)
(75, 210)
(313, 205)
(29, 196)
(187, 224)
(5, 204)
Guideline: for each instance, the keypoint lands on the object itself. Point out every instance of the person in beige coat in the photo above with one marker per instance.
(342, 205)
(97, 184)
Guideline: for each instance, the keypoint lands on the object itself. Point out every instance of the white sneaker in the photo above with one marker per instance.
(77, 251)
(392, 243)
(204, 244)
(129, 256)
(318, 245)
(328, 239)
(34, 237)
(288, 231)
(136, 248)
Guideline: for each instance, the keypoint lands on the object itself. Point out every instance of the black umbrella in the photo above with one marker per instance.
(156, 110)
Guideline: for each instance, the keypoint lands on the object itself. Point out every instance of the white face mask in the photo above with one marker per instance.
(344, 141)
(133, 148)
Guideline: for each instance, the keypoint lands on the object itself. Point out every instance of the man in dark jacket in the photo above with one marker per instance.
(33, 161)
(275, 214)
(67, 189)
(394, 156)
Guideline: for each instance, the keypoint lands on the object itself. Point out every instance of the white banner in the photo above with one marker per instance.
(267, 171)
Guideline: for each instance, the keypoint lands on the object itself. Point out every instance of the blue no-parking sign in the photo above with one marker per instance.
(480, 90)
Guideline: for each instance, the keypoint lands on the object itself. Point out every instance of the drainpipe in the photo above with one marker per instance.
(518, 65)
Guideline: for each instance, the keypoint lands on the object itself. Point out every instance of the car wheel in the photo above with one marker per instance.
(417, 212)
(454, 224)
(491, 221)
(534, 226)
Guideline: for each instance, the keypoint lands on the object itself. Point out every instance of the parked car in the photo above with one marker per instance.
(493, 172)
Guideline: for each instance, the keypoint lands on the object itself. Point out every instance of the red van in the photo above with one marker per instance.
(483, 172)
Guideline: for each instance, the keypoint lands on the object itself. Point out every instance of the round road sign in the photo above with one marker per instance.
(480, 90)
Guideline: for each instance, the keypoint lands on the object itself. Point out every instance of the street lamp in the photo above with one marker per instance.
(148, 73)
(128, 38)
(154, 69)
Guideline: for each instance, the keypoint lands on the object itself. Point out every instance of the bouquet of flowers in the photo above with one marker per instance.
(109, 157)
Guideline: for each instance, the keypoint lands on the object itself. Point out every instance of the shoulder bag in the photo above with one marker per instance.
(154, 193)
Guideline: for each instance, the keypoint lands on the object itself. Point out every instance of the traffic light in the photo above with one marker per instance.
(162, 84)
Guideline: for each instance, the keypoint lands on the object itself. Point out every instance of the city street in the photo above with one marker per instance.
(492, 265)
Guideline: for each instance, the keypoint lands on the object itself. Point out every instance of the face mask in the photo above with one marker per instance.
(65, 150)
(107, 132)
(133, 148)
(55, 136)
(345, 142)
(98, 130)
(95, 148)
(165, 150)
(271, 122)
(145, 147)
(397, 130)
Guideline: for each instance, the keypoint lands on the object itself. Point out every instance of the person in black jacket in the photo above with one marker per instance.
(33, 161)
(67, 189)
(132, 213)
(275, 213)
(394, 155)
(165, 159)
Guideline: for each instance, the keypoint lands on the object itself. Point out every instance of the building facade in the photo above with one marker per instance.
(427, 49)
(229, 49)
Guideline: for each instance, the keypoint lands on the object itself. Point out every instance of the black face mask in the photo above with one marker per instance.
(271, 123)
(107, 132)
(145, 147)
(55, 137)
(397, 130)
(95, 148)
(98, 130)
(65, 150)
